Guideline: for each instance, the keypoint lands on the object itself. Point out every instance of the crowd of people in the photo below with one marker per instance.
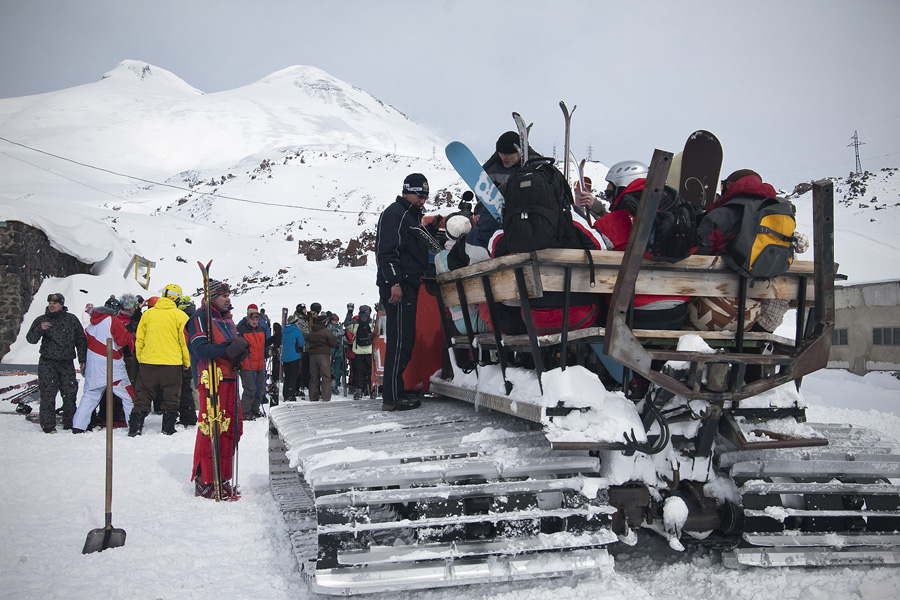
(161, 354)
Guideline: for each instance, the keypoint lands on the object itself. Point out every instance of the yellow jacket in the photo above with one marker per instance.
(160, 336)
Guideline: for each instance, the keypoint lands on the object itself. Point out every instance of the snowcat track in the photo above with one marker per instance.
(439, 496)
(818, 506)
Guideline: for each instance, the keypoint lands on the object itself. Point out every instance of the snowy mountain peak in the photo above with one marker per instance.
(323, 87)
(130, 71)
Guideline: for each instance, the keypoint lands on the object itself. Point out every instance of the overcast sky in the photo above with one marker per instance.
(783, 83)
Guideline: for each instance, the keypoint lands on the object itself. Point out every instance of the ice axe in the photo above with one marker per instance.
(108, 536)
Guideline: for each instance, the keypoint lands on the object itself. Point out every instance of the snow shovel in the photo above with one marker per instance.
(108, 536)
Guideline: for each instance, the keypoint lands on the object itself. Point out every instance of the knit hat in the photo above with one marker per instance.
(508, 143)
(292, 319)
(458, 225)
(217, 288)
(416, 183)
(320, 319)
(57, 297)
(252, 310)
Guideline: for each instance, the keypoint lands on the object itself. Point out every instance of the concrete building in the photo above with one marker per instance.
(867, 327)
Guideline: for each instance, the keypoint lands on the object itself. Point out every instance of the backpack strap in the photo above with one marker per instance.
(778, 234)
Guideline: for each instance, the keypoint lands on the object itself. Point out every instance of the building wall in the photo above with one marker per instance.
(26, 259)
(859, 309)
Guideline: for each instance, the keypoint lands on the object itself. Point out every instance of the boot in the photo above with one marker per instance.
(136, 424)
(168, 422)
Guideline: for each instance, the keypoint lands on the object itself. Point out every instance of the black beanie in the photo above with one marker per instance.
(508, 143)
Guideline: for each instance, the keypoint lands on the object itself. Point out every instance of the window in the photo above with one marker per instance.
(839, 337)
(886, 336)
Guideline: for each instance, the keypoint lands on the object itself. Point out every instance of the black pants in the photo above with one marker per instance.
(304, 370)
(361, 370)
(400, 337)
(57, 376)
(187, 412)
(291, 371)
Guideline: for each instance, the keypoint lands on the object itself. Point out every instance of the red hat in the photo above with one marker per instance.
(252, 310)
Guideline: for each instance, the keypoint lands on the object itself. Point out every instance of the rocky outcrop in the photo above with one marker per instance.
(26, 259)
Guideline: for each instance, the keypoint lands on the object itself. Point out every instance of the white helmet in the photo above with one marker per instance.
(623, 173)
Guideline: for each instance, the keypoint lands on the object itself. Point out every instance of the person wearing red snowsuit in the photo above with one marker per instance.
(650, 311)
(226, 349)
(104, 325)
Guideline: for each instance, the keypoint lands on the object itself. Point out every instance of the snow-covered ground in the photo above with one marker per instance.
(179, 546)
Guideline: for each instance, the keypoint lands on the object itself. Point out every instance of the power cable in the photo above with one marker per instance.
(184, 189)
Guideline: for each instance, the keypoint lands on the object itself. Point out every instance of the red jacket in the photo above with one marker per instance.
(256, 337)
(616, 228)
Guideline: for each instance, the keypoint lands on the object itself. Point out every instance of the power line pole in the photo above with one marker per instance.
(590, 152)
(856, 144)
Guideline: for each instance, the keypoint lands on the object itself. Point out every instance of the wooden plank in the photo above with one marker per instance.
(486, 339)
(503, 285)
(694, 276)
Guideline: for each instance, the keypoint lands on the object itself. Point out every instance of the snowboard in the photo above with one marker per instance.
(473, 174)
(701, 161)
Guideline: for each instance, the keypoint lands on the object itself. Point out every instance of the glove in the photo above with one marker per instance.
(238, 348)
(350, 306)
(800, 243)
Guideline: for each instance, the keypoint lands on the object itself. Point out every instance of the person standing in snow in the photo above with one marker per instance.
(337, 355)
(292, 342)
(401, 259)
(319, 346)
(62, 339)
(227, 349)
(187, 405)
(361, 333)
(162, 351)
(253, 368)
(303, 321)
(104, 325)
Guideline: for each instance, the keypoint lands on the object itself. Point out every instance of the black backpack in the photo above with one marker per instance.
(674, 233)
(537, 211)
(762, 247)
(364, 334)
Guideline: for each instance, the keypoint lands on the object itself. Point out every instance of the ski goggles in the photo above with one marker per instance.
(55, 298)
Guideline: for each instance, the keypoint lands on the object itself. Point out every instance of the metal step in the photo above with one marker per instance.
(347, 581)
(815, 468)
(810, 557)
(830, 540)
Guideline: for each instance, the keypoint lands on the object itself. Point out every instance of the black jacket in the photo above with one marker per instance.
(64, 340)
(400, 255)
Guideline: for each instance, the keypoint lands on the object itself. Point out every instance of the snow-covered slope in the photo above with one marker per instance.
(147, 122)
(243, 176)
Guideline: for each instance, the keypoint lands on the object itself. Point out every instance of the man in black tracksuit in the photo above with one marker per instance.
(401, 258)
(62, 339)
